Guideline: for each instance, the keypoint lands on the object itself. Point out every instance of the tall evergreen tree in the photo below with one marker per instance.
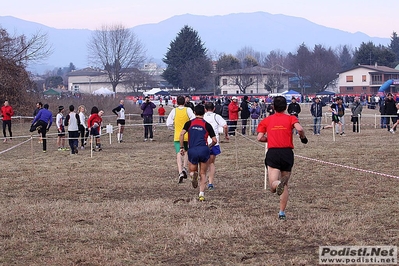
(186, 60)
(227, 62)
(345, 58)
(395, 45)
(369, 54)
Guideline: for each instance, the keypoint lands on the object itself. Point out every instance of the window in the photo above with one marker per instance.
(349, 78)
(349, 88)
(237, 92)
(250, 79)
(251, 92)
(364, 79)
(224, 92)
(364, 88)
(224, 81)
(376, 79)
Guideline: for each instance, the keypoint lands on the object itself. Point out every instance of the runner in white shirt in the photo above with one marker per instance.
(120, 121)
(219, 125)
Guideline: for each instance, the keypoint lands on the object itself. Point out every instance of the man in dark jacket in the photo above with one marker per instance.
(390, 110)
(294, 108)
(316, 109)
(218, 107)
(225, 110)
(244, 108)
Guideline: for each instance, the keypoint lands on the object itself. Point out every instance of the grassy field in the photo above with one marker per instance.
(123, 206)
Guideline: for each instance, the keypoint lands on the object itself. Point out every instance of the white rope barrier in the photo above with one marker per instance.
(15, 146)
(246, 137)
(318, 161)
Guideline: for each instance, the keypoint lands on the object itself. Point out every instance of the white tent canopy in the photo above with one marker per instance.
(152, 91)
(103, 91)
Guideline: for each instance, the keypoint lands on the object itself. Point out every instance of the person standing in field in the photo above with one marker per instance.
(356, 109)
(72, 121)
(83, 131)
(245, 114)
(175, 121)
(161, 113)
(148, 112)
(233, 116)
(276, 130)
(119, 111)
(390, 111)
(316, 109)
(217, 122)
(43, 121)
(59, 122)
(199, 150)
(7, 112)
(255, 115)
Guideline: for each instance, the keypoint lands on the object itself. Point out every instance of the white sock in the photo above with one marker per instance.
(201, 194)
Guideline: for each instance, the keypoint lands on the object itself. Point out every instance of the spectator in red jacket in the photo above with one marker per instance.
(7, 112)
(233, 115)
(161, 113)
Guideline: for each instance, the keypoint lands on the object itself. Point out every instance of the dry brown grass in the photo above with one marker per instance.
(124, 206)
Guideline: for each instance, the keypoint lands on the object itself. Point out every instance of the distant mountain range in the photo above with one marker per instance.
(261, 31)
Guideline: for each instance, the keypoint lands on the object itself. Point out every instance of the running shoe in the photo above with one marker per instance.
(280, 187)
(181, 176)
(211, 187)
(282, 217)
(60, 149)
(184, 173)
(194, 180)
(201, 198)
(392, 131)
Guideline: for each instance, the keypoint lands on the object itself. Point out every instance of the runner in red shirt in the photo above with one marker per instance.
(276, 130)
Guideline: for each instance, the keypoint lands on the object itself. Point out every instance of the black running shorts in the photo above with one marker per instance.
(120, 122)
(280, 158)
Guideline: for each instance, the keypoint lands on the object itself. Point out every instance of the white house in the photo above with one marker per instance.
(256, 80)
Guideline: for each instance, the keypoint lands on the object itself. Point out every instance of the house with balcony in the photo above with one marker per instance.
(366, 79)
(253, 80)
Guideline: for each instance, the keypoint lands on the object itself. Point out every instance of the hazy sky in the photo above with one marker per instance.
(375, 18)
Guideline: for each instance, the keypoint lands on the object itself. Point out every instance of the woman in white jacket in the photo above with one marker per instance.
(83, 130)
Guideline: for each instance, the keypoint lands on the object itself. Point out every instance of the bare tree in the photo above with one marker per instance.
(116, 49)
(23, 50)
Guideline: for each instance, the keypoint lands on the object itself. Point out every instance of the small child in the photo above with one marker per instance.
(161, 113)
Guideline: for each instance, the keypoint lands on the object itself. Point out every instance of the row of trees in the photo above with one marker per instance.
(189, 65)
